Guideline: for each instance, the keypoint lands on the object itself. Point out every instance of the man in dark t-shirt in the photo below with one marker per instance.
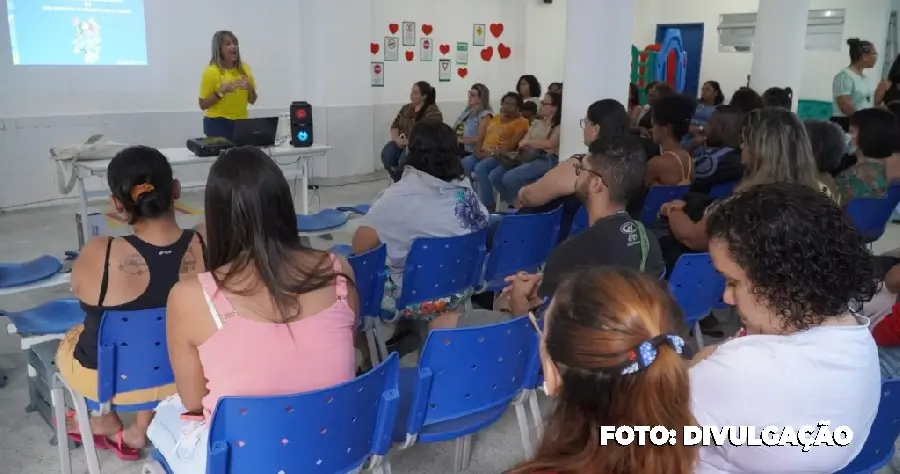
(607, 178)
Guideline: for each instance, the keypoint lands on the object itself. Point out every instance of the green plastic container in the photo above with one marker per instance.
(808, 109)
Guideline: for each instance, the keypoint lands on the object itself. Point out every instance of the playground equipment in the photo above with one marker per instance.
(665, 62)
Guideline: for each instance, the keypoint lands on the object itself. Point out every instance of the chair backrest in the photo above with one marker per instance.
(330, 430)
(437, 267)
(23, 273)
(696, 285)
(132, 352)
(467, 371)
(656, 197)
(879, 446)
(522, 243)
(722, 191)
(580, 222)
(870, 216)
(369, 272)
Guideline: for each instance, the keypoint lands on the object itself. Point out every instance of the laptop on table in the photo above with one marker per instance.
(255, 131)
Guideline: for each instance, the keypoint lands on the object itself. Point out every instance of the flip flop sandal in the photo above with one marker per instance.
(99, 441)
(120, 449)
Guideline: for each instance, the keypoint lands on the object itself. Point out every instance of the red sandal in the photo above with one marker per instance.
(119, 448)
(99, 441)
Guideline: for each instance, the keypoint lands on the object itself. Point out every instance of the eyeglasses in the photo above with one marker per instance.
(584, 123)
(579, 167)
(549, 104)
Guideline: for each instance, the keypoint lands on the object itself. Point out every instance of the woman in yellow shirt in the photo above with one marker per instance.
(226, 88)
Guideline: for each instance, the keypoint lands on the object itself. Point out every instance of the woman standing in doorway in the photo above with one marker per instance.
(852, 89)
(227, 87)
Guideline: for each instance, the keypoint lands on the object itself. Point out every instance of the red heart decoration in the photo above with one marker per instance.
(462, 72)
(374, 48)
(409, 55)
(427, 29)
(496, 29)
(445, 48)
(394, 28)
(487, 53)
(503, 50)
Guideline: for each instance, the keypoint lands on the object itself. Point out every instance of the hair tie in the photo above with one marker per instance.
(141, 189)
(645, 353)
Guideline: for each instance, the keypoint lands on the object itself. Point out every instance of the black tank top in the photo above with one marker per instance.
(164, 266)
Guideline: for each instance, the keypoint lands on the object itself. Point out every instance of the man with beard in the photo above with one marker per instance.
(609, 176)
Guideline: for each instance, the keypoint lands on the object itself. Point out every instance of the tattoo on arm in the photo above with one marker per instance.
(134, 264)
(188, 263)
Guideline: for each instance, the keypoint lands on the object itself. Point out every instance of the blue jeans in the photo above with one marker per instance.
(509, 182)
(482, 170)
(392, 158)
(218, 127)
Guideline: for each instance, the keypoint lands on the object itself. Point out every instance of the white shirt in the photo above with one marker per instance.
(825, 373)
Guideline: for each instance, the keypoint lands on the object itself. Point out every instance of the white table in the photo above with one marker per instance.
(183, 157)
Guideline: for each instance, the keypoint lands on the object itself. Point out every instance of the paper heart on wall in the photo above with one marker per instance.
(374, 48)
(410, 55)
(462, 72)
(503, 50)
(427, 29)
(445, 48)
(394, 28)
(487, 53)
(496, 29)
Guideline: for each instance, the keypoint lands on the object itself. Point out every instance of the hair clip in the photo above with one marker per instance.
(140, 189)
(645, 353)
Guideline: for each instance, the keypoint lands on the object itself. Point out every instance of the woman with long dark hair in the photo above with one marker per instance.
(227, 87)
(421, 106)
(289, 309)
(612, 357)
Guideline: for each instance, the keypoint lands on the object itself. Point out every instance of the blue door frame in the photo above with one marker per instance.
(692, 39)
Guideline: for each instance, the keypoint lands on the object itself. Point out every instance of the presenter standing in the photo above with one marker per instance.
(226, 88)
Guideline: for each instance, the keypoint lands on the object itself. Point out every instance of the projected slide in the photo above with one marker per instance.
(77, 32)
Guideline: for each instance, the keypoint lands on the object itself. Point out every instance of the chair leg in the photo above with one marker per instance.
(370, 340)
(536, 416)
(379, 340)
(384, 467)
(463, 454)
(524, 429)
(58, 399)
(698, 335)
(87, 437)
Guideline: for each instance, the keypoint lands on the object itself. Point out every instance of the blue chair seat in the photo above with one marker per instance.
(23, 273)
(322, 220)
(361, 209)
(52, 317)
(343, 250)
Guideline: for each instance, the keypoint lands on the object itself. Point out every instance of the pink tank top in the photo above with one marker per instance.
(246, 357)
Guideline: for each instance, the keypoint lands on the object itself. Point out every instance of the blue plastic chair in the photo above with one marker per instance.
(722, 191)
(695, 285)
(333, 430)
(131, 355)
(579, 223)
(343, 250)
(370, 273)
(437, 267)
(52, 317)
(23, 273)
(878, 449)
(870, 216)
(361, 209)
(656, 197)
(465, 381)
(522, 243)
(326, 219)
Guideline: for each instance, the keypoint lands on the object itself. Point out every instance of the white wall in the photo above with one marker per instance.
(866, 19)
(546, 40)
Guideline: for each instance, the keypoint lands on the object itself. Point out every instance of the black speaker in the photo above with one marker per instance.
(301, 125)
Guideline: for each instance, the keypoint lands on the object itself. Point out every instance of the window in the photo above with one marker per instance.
(824, 31)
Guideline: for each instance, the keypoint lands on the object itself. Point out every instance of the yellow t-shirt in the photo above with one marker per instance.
(234, 105)
(499, 132)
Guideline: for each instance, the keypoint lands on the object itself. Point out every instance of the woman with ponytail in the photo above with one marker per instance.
(611, 356)
(852, 89)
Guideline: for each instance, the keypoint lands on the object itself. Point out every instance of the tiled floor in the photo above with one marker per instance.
(23, 437)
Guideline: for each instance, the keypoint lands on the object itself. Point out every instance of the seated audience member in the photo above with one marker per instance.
(874, 135)
(421, 107)
(504, 132)
(529, 88)
(655, 91)
(635, 109)
(778, 97)
(289, 310)
(672, 117)
(606, 179)
(803, 355)
(432, 199)
(604, 118)
(827, 141)
(471, 126)
(718, 161)
(886, 328)
(612, 357)
(538, 152)
(555, 87)
(124, 274)
(530, 111)
(711, 96)
(747, 100)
